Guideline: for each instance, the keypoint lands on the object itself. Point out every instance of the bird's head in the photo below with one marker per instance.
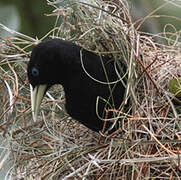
(47, 66)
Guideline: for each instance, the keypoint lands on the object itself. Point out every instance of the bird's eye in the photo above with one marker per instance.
(35, 72)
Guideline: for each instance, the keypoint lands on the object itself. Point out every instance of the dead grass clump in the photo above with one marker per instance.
(56, 147)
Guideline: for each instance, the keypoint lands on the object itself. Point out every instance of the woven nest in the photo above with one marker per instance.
(57, 147)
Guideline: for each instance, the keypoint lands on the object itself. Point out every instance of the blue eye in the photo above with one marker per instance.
(34, 72)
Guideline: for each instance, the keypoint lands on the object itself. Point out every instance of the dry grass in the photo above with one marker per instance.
(56, 147)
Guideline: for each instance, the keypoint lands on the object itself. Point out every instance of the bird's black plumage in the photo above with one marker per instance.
(82, 76)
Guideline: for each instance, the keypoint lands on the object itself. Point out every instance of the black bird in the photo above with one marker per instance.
(90, 81)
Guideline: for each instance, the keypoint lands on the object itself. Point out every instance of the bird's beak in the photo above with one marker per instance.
(37, 94)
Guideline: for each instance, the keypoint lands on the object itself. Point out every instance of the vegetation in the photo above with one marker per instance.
(55, 147)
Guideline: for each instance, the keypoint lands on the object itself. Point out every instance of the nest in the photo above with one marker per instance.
(57, 147)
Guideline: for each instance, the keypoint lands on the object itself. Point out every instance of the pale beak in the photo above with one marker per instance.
(37, 95)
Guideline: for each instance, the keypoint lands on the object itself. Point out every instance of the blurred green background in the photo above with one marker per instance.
(29, 17)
